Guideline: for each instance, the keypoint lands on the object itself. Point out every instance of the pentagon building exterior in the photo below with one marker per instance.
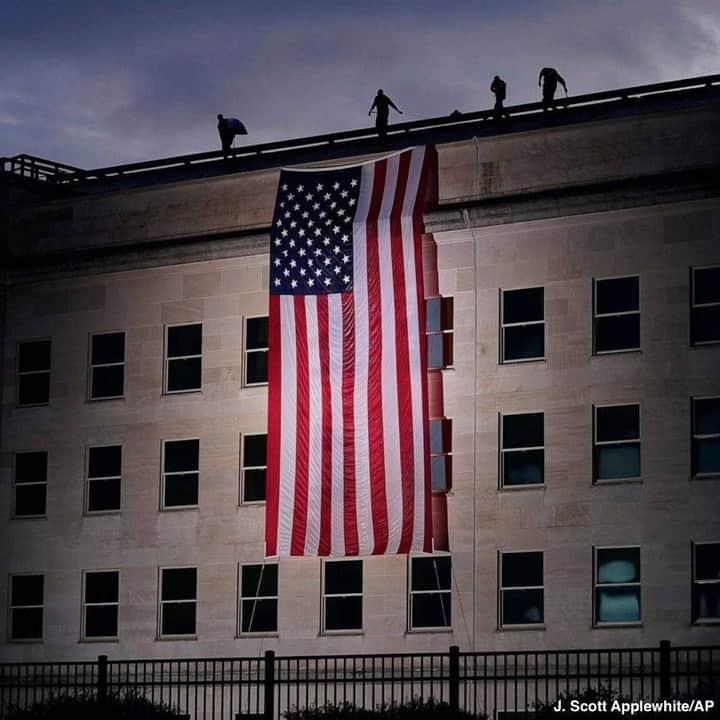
(576, 357)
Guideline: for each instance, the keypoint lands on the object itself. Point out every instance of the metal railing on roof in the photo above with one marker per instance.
(37, 168)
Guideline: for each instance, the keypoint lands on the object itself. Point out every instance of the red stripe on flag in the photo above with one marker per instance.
(297, 544)
(418, 230)
(402, 360)
(376, 444)
(273, 446)
(327, 423)
(348, 386)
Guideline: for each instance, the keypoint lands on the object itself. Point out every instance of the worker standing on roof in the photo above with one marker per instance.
(382, 104)
(549, 79)
(228, 128)
(499, 89)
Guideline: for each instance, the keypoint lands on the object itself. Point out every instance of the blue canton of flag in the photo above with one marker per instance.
(311, 247)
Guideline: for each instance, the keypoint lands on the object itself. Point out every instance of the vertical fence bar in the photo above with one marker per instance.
(102, 677)
(269, 685)
(665, 688)
(454, 679)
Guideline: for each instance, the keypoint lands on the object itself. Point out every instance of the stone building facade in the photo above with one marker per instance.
(582, 255)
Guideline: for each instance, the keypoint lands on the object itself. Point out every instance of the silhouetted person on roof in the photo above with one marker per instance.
(499, 89)
(549, 78)
(382, 104)
(228, 128)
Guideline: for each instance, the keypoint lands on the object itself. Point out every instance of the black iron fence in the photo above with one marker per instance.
(484, 684)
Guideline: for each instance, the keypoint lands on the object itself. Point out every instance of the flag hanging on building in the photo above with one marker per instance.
(348, 448)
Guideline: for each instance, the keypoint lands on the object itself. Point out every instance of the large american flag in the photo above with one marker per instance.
(348, 447)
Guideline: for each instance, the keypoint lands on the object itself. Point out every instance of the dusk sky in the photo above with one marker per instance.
(98, 82)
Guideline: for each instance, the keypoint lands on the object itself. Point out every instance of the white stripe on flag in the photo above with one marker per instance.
(335, 336)
(312, 529)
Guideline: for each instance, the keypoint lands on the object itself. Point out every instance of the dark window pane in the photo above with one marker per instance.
(617, 461)
(34, 389)
(257, 371)
(524, 467)
(431, 573)
(524, 342)
(101, 587)
(618, 604)
(343, 613)
(27, 624)
(259, 580)
(523, 305)
(618, 295)
(707, 416)
(433, 314)
(617, 333)
(255, 450)
(707, 602)
(108, 348)
(439, 473)
(706, 456)
(259, 616)
(104, 461)
(436, 436)
(522, 569)
(343, 577)
(707, 561)
(618, 565)
(181, 455)
(27, 590)
(435, 351)
(181, 490)
(178, 619)
(108, 381)
(101, 621)
(522, 607)
(34, 356)
(184, 374)
(707, 285)
(31, 467)
(257, 333)
(254, 486)
(30, 500)
(104, 495)
(523, 430)
(706, 324)
(179, 583)
(431, 610)
(184, 340)
(619, 422)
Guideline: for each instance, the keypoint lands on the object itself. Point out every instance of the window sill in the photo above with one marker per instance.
(179, 508)
(604, 353)
(517, 488)
(340, 633)
(183, 392)
(105, 399)
(33, 405)
(249, 386)
(250, 635)
(26, 641)
(252, 503)
(514, 628)
(429, 631)
(100, 640)
(705, 343)
(618, 481)
(704, 476)
(523, 361)
(706, 622)
(175, 638)
(617, 625)
(29, 517)
(95, 513)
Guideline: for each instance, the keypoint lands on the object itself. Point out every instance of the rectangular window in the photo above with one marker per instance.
(254, 468)
(178, 601)
(706, 582)
(256, 350)
(522, 600)
(30, 484)
(183, 358)
(33, 366)
(439, 330)
(430, 602)
(705, 436)
(705, 306)
(440, 457)
(616, 442)
(181, 473)
(100, 604)
(26, 607)
(522, 322)
(522, 450)
(342, 595)
(107, 365)
(617, 586)
(617, 314)
(104, 470)
(258, 598)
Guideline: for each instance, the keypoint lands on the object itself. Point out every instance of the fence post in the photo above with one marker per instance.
(269, 685)
(454, 689)
(102, 678)
(665, 687)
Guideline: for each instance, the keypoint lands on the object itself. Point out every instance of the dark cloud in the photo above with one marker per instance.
(96, 83)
